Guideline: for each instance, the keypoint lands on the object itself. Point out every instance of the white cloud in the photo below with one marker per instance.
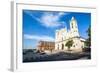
(51, 20)
(61, 13)
(48, 19)
(38, 38)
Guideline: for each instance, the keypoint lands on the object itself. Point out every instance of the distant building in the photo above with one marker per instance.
(46, 46)
(63, 35)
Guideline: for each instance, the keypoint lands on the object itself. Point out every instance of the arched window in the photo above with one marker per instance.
(73, 45)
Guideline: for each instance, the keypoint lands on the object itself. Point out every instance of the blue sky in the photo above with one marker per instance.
(41, 25)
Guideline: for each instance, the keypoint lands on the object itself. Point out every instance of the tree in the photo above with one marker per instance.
(69, 44)
(88, 40)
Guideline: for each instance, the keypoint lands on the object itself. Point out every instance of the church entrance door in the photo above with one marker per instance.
(62, 46)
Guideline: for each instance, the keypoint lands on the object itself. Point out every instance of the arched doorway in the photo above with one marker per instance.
(62, 46)
(58, 46)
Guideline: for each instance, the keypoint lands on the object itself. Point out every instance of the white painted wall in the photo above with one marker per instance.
(62, 37)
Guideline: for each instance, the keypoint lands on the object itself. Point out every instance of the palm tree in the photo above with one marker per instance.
(69, 44)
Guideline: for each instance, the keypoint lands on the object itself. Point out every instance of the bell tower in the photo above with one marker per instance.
(74, 28)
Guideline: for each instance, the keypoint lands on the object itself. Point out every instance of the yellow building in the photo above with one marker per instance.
(46, 46)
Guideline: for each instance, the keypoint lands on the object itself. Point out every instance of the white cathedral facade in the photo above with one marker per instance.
(63, 35)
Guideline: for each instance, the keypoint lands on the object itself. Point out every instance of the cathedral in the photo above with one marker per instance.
(62, 36)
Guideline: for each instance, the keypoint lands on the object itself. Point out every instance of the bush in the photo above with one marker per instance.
(86, 49)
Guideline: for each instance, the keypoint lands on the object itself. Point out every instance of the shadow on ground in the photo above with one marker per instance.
(32, 56)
